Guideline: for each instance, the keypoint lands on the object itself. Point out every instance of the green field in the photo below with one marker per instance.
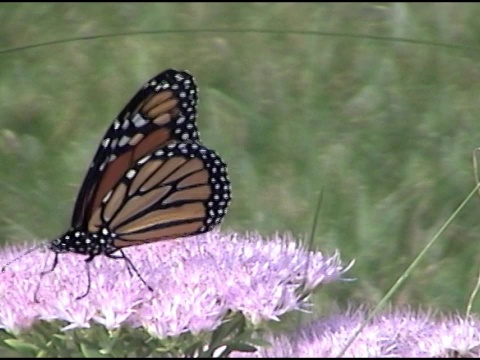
(385, 127)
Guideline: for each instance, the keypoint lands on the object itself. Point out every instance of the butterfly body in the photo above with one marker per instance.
(85, 243)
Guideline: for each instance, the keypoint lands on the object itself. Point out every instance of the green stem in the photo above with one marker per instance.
(409, 270)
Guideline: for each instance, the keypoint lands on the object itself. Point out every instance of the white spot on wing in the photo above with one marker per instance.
(124, 141)
(139, 121)
(131, 173)
(106, 197)
(143, 160)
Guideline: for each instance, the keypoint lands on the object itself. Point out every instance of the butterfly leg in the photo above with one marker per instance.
(114, 256)
(42, 274)
(130, 267)
(87, 266)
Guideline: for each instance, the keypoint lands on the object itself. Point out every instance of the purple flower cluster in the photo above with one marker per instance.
(196, 281)
(398, 333)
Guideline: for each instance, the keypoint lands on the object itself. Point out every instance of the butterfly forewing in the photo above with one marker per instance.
(179, 190)
(162, 111)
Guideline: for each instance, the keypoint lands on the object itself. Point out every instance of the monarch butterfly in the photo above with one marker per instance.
(151, 178)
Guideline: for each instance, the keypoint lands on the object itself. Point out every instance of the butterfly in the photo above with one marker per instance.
(151, 178)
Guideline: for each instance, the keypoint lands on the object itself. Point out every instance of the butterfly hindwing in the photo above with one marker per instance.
(179, 190)
(163, 110)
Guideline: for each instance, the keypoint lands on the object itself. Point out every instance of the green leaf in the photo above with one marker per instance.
(90, 352)
(105, 351)
(237, 322)
(42, 354)
(60, 336)
(242, 347)
(259, 342)
(190, 350)
(108, 344)
(21, 345)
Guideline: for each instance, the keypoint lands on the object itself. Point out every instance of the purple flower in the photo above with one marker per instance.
(196, 281)
(398, 333)
(16, 312)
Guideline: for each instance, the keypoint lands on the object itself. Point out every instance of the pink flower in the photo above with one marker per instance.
(398, 333)
(196, 281)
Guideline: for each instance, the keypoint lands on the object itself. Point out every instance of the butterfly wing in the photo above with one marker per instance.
(179, 190)
(163, 110)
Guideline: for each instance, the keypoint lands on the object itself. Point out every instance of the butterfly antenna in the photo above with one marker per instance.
(22, 255)
(42, 274)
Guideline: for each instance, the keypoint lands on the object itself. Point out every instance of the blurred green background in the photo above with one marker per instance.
(386, 128)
